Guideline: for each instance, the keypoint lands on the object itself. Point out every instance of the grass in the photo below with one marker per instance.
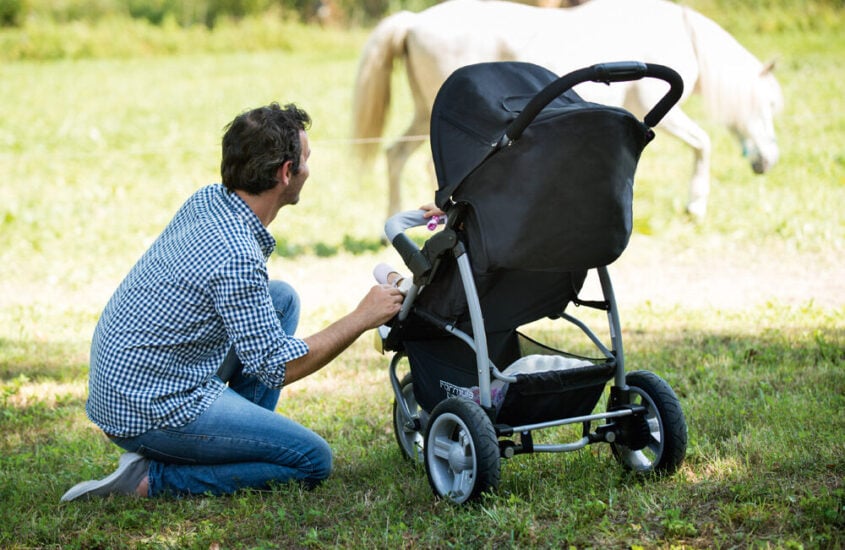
(98, 153)
(764, 467)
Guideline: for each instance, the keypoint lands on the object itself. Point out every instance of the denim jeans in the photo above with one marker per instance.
(239, 442)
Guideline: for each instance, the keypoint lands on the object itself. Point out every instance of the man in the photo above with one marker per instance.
(202, 290)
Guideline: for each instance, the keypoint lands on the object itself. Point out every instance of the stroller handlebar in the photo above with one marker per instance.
(401, 222)
(621, 71)
(394, 230)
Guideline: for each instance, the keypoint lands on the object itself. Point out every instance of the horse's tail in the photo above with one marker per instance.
(372, 85)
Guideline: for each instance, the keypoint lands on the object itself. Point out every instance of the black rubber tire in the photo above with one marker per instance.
(410, 441)
(461, 451)
(667, 445)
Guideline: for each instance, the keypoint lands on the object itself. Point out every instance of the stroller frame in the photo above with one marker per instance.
(459, 440)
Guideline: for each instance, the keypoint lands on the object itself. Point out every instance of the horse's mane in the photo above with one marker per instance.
(728, 73)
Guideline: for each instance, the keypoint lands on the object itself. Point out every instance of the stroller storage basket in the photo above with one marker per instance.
(572, 387)
(564, 387)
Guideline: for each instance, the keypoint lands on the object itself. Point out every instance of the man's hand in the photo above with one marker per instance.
(380, 304)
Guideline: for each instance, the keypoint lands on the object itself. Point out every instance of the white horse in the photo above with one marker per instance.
(737, 89)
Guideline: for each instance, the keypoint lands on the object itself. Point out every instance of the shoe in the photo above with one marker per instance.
(131, 469)
(383, 272)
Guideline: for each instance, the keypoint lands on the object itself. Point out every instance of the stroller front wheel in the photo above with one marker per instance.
(461, 451)
(666, 443)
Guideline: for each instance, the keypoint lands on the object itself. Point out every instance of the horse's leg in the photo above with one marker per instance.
(399, 152)
(681, 126)
(397, 156)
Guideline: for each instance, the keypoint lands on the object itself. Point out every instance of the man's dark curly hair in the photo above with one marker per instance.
(257, 142)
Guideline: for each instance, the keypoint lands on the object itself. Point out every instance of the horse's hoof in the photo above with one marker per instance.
(697, 210)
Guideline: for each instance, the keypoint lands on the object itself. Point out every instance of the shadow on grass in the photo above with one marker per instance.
(764, 463)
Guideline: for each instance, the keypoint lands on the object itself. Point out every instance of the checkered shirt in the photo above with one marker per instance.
(200, 287)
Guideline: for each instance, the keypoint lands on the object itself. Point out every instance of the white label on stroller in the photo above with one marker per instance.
(498, 389)
(455, 391)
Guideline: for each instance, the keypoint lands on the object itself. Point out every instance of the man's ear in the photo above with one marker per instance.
(284, 172)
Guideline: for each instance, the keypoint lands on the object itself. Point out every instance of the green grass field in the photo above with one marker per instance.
(97, 153)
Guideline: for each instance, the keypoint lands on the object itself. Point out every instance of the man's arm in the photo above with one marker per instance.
(380, 304)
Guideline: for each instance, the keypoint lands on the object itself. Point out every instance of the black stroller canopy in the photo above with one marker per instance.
(472, 110)
(558, 198)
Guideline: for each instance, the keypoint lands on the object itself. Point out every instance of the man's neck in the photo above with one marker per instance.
(263, 205)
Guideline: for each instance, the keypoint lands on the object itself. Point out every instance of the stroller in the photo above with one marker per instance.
(537, 186)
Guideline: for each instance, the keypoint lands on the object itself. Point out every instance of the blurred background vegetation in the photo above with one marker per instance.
(73, 29)
(200, 12)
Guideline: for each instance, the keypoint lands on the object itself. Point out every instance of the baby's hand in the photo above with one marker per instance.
(431, 210)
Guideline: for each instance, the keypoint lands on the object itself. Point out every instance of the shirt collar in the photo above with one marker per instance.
(265, 240)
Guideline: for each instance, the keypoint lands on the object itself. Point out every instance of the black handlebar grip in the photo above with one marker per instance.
(412, 256)
(619, 71)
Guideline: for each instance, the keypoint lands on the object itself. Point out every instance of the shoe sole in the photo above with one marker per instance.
(88, 488)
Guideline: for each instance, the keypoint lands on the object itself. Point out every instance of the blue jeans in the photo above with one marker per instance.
(239, 442)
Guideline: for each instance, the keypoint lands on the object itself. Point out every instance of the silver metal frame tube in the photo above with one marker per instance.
(478, 331)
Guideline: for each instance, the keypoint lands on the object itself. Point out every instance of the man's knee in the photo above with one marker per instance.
(320, 466)
(322, 462)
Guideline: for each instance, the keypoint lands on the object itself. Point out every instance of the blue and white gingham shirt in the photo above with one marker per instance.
(201, 287)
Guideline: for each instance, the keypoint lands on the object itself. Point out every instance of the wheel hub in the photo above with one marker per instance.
(458, 459)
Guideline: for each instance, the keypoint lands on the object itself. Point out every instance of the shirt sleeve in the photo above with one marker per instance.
(242, 298)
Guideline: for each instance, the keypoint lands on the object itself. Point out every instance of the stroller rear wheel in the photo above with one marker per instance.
(461, 451)
(409, 431)
(666, 443)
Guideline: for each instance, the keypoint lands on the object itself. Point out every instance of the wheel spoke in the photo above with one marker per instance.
(442, 447)
(654, 427)
(654, 445)
(462, 483)
(639, 461)
(464, 439)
